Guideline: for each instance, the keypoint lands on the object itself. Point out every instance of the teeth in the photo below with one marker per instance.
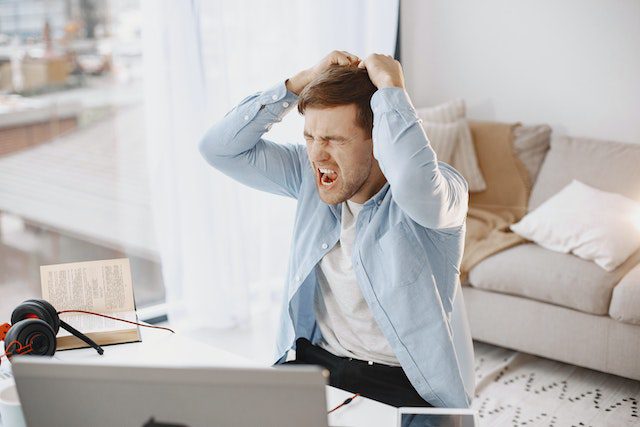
(323, 170)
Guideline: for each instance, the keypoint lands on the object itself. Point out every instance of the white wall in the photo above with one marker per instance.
(574, 64)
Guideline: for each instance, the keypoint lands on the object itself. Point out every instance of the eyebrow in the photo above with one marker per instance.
(328, 137)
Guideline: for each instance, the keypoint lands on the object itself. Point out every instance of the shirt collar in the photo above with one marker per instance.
(377, 198)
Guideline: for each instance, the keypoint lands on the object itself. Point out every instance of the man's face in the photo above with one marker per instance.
(340, 152)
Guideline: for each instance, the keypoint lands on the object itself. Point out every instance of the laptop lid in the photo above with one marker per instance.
(53, 392)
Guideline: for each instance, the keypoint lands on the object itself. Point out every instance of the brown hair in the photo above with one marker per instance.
(341, 85)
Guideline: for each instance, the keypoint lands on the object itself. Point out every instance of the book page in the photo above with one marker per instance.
(91, 324)
(102, 286)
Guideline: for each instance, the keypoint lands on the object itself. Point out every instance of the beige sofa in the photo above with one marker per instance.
(557, 305)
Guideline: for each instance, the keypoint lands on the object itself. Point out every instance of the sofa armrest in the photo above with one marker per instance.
(625, 301)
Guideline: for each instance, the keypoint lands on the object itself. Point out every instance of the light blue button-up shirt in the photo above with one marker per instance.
(409, 236)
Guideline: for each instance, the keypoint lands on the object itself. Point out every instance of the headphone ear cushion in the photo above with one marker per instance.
(40, 309)
(55, 317)
(36, 332)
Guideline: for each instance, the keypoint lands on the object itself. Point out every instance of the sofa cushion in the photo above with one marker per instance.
(530, 271)
(607, 166)
(625, 301)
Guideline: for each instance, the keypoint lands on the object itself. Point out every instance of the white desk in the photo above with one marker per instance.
(161, 347)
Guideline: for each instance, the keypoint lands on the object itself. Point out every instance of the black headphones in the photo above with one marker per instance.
(34, 326)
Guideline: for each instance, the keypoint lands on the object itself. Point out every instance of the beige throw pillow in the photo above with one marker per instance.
(531, 144)
(464, 158)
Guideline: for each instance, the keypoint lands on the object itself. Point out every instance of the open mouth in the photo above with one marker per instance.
(327, 178)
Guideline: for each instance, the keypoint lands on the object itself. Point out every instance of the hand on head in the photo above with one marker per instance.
(338, 57)
(383, 70)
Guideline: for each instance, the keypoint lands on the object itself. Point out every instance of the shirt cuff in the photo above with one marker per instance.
(277, 100)
(390, 99)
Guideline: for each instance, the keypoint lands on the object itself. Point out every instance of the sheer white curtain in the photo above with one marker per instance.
(224, 246)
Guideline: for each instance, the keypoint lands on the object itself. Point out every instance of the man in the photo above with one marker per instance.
(372, 291)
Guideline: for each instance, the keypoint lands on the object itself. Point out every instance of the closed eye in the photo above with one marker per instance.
(332, 138)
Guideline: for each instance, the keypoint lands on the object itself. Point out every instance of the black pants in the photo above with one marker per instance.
(386, 384)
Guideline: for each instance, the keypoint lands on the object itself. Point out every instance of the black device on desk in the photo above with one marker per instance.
(34, 326)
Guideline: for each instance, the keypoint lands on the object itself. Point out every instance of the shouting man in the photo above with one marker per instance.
(373, 290)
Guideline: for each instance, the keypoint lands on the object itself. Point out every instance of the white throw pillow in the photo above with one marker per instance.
(592, 224)
(443, 138)
(447, 112)
(463, 157)
(466, 161)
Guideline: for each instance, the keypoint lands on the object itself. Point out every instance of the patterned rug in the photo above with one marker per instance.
(518, 389)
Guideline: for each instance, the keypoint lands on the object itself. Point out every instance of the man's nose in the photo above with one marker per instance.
(318, 152)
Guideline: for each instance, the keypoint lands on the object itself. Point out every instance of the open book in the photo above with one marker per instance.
(101, 286)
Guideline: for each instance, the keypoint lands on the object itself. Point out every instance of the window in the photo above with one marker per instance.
(73, 174)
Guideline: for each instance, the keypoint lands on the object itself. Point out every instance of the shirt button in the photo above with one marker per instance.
(325, 246)
(246, 117)
(274, 97)
(379, 202)
(297, 278)
(285, 104)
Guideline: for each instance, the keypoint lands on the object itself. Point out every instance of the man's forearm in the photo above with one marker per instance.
(243, 126)
(234, 145)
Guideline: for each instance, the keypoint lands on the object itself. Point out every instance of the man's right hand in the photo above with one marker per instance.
(298, 82)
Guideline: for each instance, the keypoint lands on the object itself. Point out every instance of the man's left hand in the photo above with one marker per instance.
(384, 71)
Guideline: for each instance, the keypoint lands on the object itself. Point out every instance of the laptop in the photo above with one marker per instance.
(56, 393)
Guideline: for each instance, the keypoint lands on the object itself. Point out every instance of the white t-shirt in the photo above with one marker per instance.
(343, 316)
